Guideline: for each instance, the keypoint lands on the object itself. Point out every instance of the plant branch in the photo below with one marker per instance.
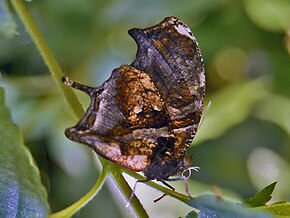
(165, 190)
(47, 56)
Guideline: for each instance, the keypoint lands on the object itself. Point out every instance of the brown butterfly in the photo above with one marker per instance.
(146, 114)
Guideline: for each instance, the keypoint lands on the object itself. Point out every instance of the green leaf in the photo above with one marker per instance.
(192, 214)
(275, 109)
(7, 24)
(21, 191)
(262, 197)
(212, 206)
(281, 209)
(230, 107)
(272, 15)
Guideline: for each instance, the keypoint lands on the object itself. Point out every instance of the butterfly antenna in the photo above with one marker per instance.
(204, 114)
(189, 169)
(70, 83)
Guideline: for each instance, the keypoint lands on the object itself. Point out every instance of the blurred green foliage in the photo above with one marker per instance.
(244, 142)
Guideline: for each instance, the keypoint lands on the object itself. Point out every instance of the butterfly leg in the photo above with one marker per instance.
(184, 178)
(133, 191)
(169, 186)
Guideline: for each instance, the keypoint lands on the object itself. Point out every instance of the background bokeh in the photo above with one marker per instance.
(244, 142)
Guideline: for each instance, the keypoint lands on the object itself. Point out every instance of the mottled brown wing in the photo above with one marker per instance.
(125, 118)
(169, 54)
(145, 115)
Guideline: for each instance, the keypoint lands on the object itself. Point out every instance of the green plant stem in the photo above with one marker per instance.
(48, 57)
(57, 74)
(69, 211)
(127, 191)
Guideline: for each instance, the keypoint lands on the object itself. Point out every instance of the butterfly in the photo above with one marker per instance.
(145, 116)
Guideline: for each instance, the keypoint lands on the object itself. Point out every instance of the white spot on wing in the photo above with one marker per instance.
(137, 110)
(134, 162)
(202, 79)
(138, 160)
(99, 120)
(184, 30)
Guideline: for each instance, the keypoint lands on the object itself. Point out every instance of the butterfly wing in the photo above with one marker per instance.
(169, 54)
(124, 120)
(145, 115)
